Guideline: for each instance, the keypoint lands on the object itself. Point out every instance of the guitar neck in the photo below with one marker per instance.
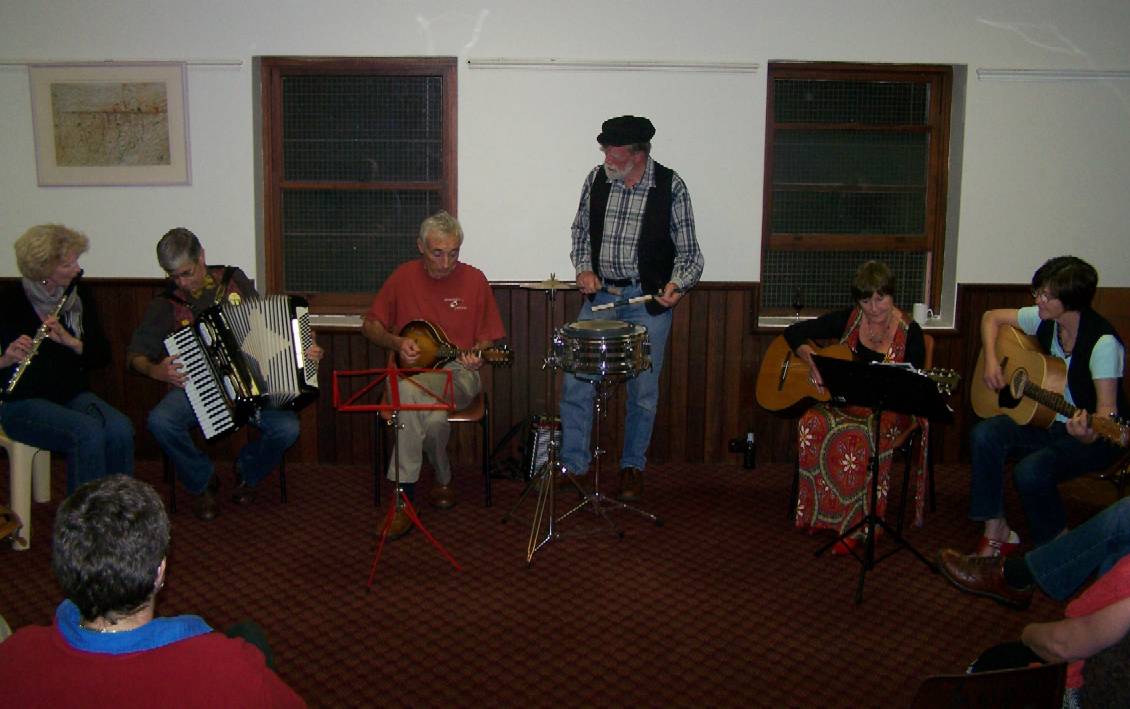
(1053, 401)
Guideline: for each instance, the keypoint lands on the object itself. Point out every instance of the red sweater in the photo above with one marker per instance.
(38, 668)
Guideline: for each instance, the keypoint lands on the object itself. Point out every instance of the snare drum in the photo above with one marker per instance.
(603, 348)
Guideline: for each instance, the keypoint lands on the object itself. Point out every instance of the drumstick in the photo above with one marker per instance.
(623, 301)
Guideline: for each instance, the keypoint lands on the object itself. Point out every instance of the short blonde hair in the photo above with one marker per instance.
(42, 248)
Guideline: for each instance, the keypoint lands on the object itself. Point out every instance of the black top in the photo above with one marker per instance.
(56, 373)
(833, 325)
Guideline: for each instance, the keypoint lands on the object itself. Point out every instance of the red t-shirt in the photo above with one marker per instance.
(462, 304)
(1108, 589)
(38, 668)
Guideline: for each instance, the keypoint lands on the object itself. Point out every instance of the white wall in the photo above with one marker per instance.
(526, 137)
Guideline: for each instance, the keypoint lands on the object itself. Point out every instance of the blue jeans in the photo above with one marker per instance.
(1062, 565)
(643, 389)
(171, 422)
(1047, 457)
(96, 438)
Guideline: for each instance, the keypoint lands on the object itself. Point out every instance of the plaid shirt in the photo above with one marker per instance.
(622, 221)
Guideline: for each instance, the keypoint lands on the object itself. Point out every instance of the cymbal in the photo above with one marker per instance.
(551, 284)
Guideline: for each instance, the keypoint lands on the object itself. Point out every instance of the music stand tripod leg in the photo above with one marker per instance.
(403, 503)
(871, 521)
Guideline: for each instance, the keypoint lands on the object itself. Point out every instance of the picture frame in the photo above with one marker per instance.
(110, 123)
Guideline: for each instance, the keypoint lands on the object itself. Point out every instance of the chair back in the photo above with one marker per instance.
(928, 361)
(1026, 688)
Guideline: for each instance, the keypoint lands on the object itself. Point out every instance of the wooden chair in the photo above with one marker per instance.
(904, 446)
(29, 475)
(1038, 687)
(478, 411)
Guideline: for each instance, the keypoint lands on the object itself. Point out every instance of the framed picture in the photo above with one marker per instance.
(110, 123)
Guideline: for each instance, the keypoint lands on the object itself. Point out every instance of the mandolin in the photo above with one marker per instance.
(1034, 394)
(436, 350)
(783, 379)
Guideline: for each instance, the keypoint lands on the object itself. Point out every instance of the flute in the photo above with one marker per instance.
(39, 335)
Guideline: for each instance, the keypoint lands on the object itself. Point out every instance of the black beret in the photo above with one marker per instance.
(625, 130)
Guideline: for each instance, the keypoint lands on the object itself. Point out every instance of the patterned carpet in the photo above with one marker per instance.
(723, 605)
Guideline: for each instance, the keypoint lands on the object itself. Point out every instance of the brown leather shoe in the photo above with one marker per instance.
(442, 497)
(205, 506)
(631, 484)
(400, 526)
(982, 576)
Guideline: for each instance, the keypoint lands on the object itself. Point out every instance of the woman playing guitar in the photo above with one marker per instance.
(1067, 329)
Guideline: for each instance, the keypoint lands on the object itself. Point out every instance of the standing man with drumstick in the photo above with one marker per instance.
(633, 235)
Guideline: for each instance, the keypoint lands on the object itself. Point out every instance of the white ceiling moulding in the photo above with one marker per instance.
(1053, 74)
(188, 62)
(612, 65)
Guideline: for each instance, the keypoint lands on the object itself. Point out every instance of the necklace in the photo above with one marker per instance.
(876, 338)
(107, 629)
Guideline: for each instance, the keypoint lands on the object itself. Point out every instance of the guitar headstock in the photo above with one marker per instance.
(946, 379)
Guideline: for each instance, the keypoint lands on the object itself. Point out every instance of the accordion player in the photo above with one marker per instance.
(238, 358)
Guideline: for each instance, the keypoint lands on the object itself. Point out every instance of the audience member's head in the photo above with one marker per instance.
(111, 538)
(42, 248)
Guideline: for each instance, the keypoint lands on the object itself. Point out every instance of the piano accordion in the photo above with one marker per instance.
(238, 359)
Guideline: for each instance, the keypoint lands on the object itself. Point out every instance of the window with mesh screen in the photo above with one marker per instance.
(855, 161)
(357, 153)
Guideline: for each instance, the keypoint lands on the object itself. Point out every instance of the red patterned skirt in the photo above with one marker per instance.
(835, 451)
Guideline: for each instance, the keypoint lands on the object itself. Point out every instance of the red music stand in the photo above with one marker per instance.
(444, 401)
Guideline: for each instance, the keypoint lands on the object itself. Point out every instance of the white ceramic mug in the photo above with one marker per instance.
(921, 314)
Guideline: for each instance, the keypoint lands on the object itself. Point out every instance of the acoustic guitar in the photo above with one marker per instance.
(783, 379)
(1034, 394)
(436, 350)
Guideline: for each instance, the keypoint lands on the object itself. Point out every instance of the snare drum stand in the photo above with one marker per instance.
(596, 501)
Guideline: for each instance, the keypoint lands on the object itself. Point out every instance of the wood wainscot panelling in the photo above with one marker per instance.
(706, 397)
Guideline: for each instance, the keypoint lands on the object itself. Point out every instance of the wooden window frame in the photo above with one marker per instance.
(272, 72)
(933, 238)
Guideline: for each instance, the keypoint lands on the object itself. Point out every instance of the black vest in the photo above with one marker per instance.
(656, 251)
(1092, 326)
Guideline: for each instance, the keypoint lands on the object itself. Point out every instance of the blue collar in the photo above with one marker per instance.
(154, 634)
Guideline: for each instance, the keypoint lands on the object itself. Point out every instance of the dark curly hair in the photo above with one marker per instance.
(111, 536)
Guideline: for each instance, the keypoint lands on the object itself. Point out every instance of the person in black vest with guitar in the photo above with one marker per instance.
(1069, 336)
(434, 297)
(633, 237)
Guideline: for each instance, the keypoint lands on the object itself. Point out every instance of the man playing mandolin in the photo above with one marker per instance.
(457, 301)
(1077, 341)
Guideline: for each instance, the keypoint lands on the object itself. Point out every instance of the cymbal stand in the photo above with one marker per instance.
(594, 500)
(543, 479)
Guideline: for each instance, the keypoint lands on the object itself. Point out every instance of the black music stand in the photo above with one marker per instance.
(880, 387)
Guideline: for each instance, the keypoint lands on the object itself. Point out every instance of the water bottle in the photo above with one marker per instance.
(749, 457)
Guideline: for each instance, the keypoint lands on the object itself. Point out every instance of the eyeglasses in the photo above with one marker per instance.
(1042, 296)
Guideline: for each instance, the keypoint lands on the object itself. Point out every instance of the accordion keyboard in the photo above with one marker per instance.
(202, 386)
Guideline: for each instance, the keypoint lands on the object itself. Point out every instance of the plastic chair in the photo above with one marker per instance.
(1030, 687)
(478, 411)
(29, 472)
